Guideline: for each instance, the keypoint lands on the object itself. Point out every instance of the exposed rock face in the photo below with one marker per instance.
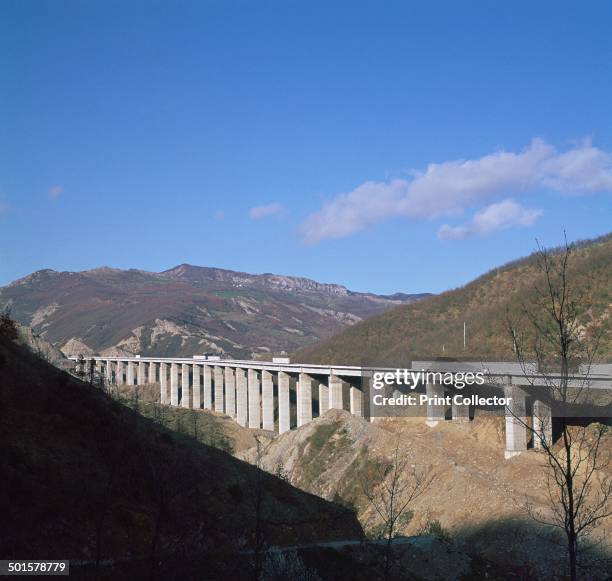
(74, 348)
(116, 352)
(42, 348)
(185, 310)
(474, 494)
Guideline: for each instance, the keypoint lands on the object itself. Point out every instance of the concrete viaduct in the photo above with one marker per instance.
(259, 394)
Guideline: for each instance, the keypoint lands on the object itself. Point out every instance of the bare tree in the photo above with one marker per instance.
(555, 335)
(79, 368)
(390, 491)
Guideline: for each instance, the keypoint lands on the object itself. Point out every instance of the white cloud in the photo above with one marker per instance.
(265, 211)
(451, 187)
(500, 216)
(55, 192)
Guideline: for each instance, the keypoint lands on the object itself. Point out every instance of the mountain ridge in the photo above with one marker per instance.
(433, 327)
(185, 310)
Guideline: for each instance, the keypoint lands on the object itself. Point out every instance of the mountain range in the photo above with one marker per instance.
(186, 310)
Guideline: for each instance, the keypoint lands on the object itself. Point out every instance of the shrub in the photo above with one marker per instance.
(8, 327)
(435, 528)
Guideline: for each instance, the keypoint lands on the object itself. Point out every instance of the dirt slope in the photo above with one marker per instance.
(476, 495)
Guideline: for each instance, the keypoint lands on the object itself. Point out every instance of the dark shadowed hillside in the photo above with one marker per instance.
(87, 479)
(185, 310)
(433, 327)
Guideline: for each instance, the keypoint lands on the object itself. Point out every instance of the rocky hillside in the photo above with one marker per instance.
(87, 479)
(185, 310)
(433, 327)
(475, 497)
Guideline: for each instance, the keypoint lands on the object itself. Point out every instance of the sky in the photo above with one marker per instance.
(387, 146)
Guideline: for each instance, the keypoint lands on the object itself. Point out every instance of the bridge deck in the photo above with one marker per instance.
(593, 381)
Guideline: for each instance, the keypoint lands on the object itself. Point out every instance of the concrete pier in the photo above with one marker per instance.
(163, 383)
(366, 387)
(267, 400)
(284, 418)
(152, 372)
(356, 402)
(207, 387)
(185, 386)
(219, 400)
(336, 395)
(435, 412)
(254, 402)
(516, 421)
(460, 413)
(196, 389)
(131, 368)
(109, 371)
(174, 386)
(323, 398)
(542, 425)
(142, 373)
(304, 399)
(241, 397)
(119, 371)
(230, 393)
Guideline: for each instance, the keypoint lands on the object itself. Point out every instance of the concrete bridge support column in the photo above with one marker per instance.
(267, 400)
(185, 385)
(284, 418)
(542, 425)
(152, 372)
(230, 392)
(241, 397)
(174, 384)
(323, 398)
(516, 420)
(130, 373)
(109, 372)
(254, 401)
(336, 397)
(207, 387)
(142, 378)
(163, 383)
(366, 386)
(435, 411)
(356, 402)
(460, 412)
(119, 369)
(304, 399)
(196, 391)
(219, 401)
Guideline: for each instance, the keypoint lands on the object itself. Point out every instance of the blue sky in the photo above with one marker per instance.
(387, 146)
